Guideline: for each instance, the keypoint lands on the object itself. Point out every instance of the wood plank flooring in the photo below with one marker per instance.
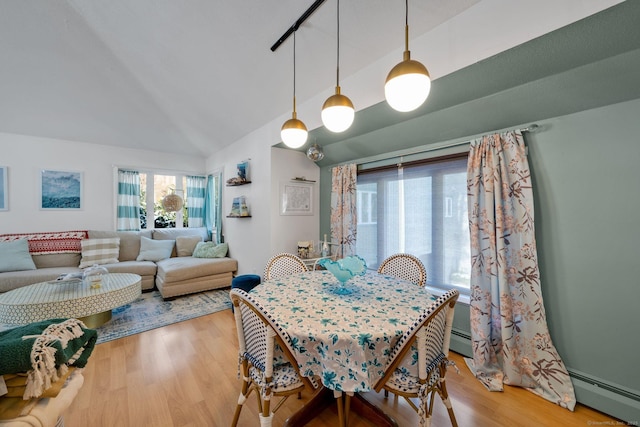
(184, 375)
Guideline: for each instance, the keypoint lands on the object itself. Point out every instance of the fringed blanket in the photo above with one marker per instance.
(44, 351)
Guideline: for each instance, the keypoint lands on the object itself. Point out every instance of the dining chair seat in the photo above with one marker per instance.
(418, 363)
(265, 360)
(284, 378)
(404, 382)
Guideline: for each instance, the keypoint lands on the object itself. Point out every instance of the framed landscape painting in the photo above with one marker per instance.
(60, 190)
(4, 189)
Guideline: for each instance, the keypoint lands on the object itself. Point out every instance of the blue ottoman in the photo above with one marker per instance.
(246, 282)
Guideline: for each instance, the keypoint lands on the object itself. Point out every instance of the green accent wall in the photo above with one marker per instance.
(580, 84)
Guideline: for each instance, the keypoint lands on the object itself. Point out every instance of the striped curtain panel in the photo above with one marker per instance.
(196, 191)
(213, 207)
(128, 215)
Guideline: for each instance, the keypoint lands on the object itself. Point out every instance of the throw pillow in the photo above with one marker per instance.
(15, 256)
(186, 244)
(211, 250)
(155, 250)
(99, 251)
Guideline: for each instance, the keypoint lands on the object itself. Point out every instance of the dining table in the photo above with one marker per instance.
(344, 340)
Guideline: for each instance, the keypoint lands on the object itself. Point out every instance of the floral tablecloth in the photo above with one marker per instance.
(343, 339)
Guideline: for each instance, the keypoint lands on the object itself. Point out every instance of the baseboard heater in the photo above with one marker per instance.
(607, 397)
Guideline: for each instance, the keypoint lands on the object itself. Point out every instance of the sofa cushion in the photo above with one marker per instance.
(99, 251)
(129, 241)
(15, 256)
(56, 260)
(155, 250)
(17, 279)
(186, 244)
(172, 233)
(184, 268)
(211, 250)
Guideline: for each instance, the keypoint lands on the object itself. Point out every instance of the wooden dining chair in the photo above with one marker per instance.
(418, 362)
(404, 266)
(283, 264)
(266, 361)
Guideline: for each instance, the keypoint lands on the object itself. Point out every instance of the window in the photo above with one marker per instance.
(421, 209)
(153, 188)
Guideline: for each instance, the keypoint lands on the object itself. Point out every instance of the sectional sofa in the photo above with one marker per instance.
(176, 271)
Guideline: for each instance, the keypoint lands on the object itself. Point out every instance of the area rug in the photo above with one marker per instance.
(150, 311)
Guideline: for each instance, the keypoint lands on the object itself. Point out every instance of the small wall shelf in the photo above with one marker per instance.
(238, 216)
(239, 184)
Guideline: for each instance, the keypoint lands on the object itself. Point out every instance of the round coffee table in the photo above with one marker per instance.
(49, 300)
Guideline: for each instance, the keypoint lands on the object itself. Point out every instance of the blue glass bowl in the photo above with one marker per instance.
(344, 270)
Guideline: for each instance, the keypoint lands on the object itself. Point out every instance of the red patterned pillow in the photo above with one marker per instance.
(50, 243)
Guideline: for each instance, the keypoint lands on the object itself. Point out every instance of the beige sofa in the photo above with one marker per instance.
(174, 276)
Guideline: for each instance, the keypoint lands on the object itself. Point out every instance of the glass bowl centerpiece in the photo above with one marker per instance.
(344, 270)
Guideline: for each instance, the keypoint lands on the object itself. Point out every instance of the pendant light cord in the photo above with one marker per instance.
(406, 25)
(294, 72)
(338, 44)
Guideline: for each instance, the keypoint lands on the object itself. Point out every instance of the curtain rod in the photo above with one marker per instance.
(467, 140)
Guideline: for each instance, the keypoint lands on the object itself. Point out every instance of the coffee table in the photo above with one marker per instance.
(48, 300)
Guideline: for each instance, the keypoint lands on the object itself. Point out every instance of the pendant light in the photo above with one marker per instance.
(408, 83)
(294, 132)
(337, 111)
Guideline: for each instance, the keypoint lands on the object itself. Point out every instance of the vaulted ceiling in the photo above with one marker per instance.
(182, 76)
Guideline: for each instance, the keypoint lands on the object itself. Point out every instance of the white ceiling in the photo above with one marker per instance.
(188, 76)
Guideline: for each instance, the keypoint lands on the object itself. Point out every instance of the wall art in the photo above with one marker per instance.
(60, 190)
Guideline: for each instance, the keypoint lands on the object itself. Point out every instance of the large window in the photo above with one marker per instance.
(153, 188)
(420, 209)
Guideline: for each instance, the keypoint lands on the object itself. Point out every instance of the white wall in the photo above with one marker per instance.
(287, 230)
(26, 156)
(252, 241)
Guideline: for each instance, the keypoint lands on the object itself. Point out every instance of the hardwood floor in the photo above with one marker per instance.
(185, 375)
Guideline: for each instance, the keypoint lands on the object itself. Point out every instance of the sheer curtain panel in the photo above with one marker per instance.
(128, 214)
(509, 334)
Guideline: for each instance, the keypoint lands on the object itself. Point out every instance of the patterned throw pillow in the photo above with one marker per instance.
(211, 250)
(99, 251)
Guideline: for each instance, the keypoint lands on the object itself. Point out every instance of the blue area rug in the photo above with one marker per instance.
(150, 311)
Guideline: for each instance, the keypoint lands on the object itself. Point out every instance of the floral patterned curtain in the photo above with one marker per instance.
(343, 209)
(509, 333)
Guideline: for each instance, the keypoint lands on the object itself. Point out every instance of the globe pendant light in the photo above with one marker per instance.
(337, 111)
(294, 132)
(408, 83)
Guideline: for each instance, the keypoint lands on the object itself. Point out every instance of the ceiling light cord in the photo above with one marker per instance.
(406, 25)
(338, 44)
(337, 112)
(294, 72)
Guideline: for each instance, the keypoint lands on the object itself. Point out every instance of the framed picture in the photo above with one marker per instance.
(60, 190)
(296, 199)
(4, 189)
